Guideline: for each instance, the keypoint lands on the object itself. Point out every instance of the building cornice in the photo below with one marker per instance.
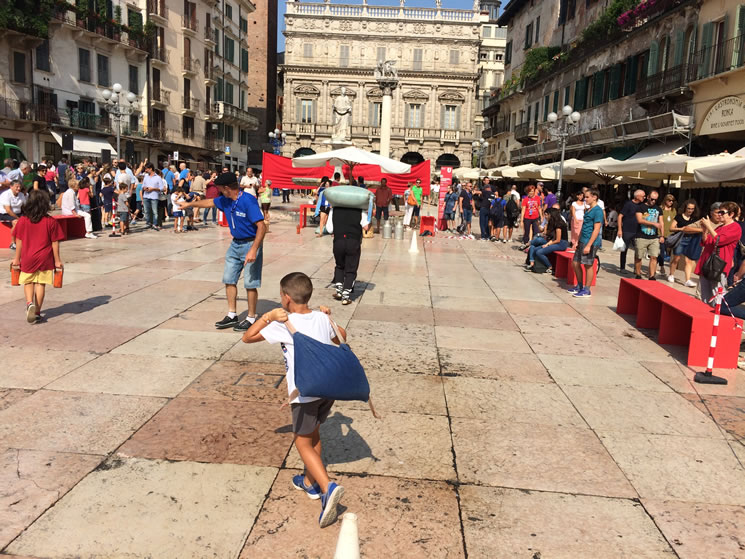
(367, 73)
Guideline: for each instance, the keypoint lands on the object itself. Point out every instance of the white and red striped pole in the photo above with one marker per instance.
(113, 217)
(707, 377)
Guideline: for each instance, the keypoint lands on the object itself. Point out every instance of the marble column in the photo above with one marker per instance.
(385, 116)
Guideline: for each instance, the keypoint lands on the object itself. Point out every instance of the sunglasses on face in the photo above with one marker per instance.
(720, 212)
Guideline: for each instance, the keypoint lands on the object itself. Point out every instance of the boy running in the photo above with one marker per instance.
(295, 290)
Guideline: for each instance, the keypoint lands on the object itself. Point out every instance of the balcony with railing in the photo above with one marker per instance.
(98, 28)
(719, 58)
(209, 74)
(668, 83)
(161, 97)
(226, 111)
(189, 65)
(74, 118)
(189, 24)
(373, 131)
(347, 11)
(158, 10)
(524, 132)
(209, 33)
(159, 55)
(189, 104)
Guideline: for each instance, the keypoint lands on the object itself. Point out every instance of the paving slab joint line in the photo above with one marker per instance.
(456, 484)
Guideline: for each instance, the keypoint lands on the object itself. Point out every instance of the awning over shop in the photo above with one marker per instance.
(87, 145)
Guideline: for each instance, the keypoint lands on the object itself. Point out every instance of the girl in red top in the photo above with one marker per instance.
(532, 215)
(37, 252)
(725, 236)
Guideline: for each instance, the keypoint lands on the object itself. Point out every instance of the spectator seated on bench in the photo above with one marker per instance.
(71, 207)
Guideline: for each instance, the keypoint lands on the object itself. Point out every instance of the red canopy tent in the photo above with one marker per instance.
(280, 171)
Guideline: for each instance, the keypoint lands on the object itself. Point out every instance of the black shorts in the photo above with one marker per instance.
(6, 217)
(416, 211)
(108, 207)
(497, 222)
(325, 209)
(265, 206)
(381, 211)
(307, 417)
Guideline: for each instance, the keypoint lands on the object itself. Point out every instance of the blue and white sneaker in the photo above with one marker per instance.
(329, 502)
(313, 492)
(574, 290)
(585, 292)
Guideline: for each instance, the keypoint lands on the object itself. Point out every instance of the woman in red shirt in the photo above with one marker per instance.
(532, 214)
(725, 236)
(211, 191)
(37, 252)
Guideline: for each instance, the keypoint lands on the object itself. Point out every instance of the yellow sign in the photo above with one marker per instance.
(727, 115)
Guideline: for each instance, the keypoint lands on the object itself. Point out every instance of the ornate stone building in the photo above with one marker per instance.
(435, 51)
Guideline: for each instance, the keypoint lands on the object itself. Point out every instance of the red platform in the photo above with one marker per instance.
(4, 234)
(427, 224)
(73, 226)
(681, 320)
(561, 265)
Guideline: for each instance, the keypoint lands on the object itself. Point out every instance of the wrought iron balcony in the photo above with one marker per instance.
(158, 9)
(159, 55)
(190, 65)
(524, 131)
(189, 23)
(719, 58)
(670, 82)
(161, 96)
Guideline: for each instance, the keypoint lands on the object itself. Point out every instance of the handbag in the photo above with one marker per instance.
(327, 371)
(714, 266)
(411, 200)
(672, 241)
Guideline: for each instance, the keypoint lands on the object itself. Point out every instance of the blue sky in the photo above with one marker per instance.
(453, 4)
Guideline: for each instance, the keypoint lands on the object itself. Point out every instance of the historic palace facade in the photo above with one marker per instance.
(335, 46)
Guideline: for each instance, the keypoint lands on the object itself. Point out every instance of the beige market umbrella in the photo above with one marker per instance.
(723, 168)
(636, 165)
(514, 172)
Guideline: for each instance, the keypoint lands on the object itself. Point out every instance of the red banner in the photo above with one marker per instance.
(446, 179)
(280, 171)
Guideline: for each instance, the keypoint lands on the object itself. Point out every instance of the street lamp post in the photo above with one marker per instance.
(479, 147)
(277, 139)
(569, 122)
(114, 99)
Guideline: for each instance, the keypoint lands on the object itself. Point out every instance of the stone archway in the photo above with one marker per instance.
(412, 158)
(303, 151)
(448, 160)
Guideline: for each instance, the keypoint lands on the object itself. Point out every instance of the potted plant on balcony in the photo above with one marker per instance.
(116, 23)
(81, 13)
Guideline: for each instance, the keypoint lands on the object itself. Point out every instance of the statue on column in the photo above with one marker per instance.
(342, 117)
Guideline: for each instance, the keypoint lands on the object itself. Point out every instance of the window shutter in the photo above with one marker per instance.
(370, 114)
(654, 54)
(457, 117)
(442, 117)
(597, 89)
(615, 82)
(314, 110)
(298, 109)
(556, 101)
(737, 49)
(406, 115)
(545, 108)
(578, 101)
(680, 38)
(705, 53)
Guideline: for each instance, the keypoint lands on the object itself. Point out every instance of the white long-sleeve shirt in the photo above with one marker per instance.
(70, 205)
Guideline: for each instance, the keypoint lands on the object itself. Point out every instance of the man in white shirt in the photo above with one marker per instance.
(249, 182)
(14, 174)
(11, 204)
(434, 192)
(70, 206)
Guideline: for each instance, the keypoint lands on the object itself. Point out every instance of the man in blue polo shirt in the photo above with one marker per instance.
(247, 227)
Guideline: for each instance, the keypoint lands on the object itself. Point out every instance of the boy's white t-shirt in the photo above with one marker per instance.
(174, 199)
(315, 325)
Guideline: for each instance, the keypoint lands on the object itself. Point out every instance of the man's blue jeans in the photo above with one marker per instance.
(151, 211)
(732, 300)
(484, 223)
(541, 254)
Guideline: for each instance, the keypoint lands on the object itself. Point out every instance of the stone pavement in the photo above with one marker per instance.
(517, 420)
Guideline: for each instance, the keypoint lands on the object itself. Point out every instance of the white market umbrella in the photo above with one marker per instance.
(637, 163)
(514, 172)
(720, 168)
(468, 173)
(352, 156)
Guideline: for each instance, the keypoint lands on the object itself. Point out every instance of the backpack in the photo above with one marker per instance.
(496, 211)
(513, 211)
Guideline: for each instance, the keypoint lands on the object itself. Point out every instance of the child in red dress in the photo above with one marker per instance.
(37, 253)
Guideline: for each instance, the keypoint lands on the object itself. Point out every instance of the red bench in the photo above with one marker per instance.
(73, 226)
(681, 320)
(561, 265)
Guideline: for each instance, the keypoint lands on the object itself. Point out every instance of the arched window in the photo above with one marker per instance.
(303, 151)
(412, 158)
(448, 160)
